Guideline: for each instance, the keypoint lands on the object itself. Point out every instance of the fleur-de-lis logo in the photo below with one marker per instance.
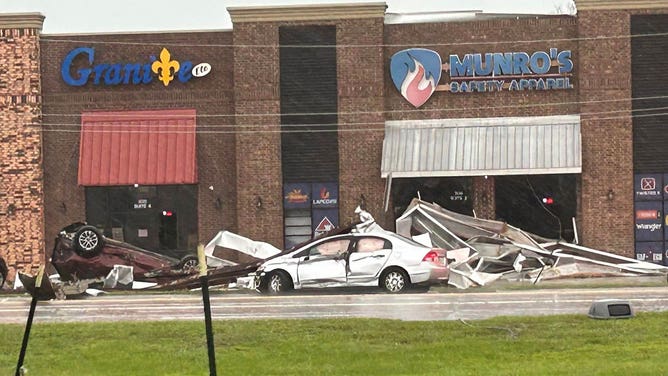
(164, 66)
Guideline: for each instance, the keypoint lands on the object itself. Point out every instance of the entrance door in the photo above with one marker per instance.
(141, 229)
(168, 230)
(540, 204)
(146, 216)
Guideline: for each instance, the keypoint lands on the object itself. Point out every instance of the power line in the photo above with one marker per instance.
(324, 125)
(380, 126)
(121, 115)
(209, 45)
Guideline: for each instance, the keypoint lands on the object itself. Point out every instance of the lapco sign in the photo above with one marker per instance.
(80, 67)
(416, 72)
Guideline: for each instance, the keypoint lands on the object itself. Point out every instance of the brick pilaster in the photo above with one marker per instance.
(21, 186)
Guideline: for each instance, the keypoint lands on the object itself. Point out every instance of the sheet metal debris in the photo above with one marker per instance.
(230, 240)
(479, 252)
(484, 251)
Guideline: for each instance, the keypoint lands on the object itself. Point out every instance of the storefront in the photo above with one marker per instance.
(279, 128)
(138, 122)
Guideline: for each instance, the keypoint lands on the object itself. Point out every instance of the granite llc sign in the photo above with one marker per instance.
(79, 68)
(416, 72)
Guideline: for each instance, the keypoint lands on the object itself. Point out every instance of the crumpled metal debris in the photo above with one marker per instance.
(238, 243)
(483, 251)
(248, 254)
(119, 276)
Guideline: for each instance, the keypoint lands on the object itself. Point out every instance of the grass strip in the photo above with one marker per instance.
(549, 345)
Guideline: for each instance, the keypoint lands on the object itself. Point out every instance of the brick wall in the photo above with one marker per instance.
(21, 188)
(239, 151)
(484, 198)
(258, 153)
(361, 67)
(360, 89)
(211, 96)
(607, 139)
(496, 35)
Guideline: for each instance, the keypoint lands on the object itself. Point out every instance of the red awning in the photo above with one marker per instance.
(137, 147)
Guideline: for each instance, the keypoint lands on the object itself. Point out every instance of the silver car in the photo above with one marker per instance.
(378, 258)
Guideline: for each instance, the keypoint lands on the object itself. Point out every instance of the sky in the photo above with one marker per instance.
(96, 16)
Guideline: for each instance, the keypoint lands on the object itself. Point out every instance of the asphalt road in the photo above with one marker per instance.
(424, 306)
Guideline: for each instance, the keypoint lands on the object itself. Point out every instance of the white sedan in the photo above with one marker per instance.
(378, 258)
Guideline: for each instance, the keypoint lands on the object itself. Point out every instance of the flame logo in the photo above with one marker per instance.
(165, 67)
(324, 193)
(415, 73)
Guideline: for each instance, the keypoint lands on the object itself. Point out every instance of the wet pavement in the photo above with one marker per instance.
(419, 306)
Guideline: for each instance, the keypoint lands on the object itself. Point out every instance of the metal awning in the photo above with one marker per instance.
(482, 146)
(138, 147)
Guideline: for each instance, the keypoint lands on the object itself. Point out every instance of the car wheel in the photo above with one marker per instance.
(394, 281)
(278, 282)
(2, 279)
(88, 241)
(189, 264)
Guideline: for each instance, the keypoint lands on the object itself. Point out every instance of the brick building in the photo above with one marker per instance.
(279, 128)
(21, 174)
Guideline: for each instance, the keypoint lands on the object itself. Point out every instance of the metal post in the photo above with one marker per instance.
(204, 280)
(31, 315)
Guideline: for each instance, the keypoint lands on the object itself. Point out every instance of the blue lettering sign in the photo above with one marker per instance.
(536, 71)
(509, 63)
(84, 73)
(482, 68)
(540, 62)
(461, 68)
(565, 63)
(118, 73)
(185, 72)
(503, 63)
(132, 71)
(521, 63)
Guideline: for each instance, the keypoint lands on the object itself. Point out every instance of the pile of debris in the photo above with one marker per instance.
(483, 251)
(479, 252)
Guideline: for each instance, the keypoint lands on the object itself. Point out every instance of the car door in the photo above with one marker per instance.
(324, 263)
(367, 258)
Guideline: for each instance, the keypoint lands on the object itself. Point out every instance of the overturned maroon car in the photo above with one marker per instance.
(82, 253)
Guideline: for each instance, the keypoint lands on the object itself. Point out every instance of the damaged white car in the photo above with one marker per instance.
(379, 258)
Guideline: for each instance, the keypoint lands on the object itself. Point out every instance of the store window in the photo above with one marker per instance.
(541, 204)
(158, 218)
(310, 209)
(370, 245)
(330, 248)
(453, 194)
(650, 157)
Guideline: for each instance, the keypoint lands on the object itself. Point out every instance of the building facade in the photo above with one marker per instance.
(279, 128)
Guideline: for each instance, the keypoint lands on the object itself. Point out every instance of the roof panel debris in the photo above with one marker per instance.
(478, 252)
(484, 251)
